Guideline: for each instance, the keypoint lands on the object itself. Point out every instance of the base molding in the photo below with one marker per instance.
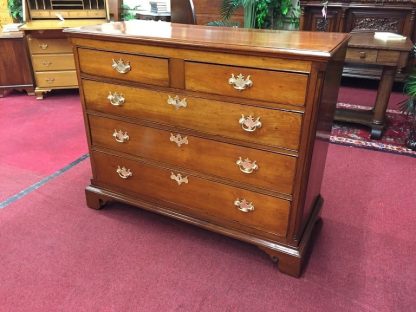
(290, 259)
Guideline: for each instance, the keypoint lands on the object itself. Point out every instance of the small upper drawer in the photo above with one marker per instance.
(46, 62)
(38, 45)
(144, 69)
(241, 122)
(361, 55)
(250, 83)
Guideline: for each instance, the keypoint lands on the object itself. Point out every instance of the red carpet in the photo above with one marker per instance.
(38, 137)
(58, 255)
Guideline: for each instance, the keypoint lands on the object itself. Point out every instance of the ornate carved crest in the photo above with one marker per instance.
(390, 24)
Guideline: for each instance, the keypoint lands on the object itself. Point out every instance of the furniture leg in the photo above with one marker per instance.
(94, 200)
(382, 100)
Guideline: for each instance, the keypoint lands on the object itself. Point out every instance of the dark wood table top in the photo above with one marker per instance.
(367, 40)
(316, 45)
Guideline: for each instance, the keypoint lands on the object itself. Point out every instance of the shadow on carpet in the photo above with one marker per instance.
(393, 139)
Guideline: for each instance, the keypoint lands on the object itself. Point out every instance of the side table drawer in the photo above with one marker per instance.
(56, 79)
(361, 55)
(218, 202)
(48, 62)
(38, 45)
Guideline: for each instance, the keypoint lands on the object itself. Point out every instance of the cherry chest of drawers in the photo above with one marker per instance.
(223, 128)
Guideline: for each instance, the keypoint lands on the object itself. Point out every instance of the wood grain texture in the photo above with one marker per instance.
(47, 62)
(42, 46)
(214, 200)
(273, 86)
(279, 128)
(144, 69)
(53, 79)
(275, 173)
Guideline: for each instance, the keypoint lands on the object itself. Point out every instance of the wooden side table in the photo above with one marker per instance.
(15, 66)
(363, 48)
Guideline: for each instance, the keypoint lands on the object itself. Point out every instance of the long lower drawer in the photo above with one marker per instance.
(267, 170)
(56, 79)
(218, 203)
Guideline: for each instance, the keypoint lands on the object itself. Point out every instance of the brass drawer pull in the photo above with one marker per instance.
(43, 46)
(249, 124)
(178, 139)
(120, 137)
(123, 172)
(46, 63)
(239, 83)
(50, 80)
(363, 55)
(178, 103)
(116, 99)
(243, 205)
(246, 165)
(122, 67)
(178, 178)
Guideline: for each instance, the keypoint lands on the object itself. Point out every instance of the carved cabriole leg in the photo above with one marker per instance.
(287, 264)
(94, 200)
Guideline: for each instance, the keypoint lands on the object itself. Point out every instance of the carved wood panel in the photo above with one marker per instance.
(375, 20)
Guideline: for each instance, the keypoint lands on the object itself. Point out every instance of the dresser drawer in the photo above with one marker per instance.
(46, 62)
(194, 195)
(38, 45)
(361, 55)
(56, 79)
(266, 170)
(263, 126)
(144, 69)
(257, 84)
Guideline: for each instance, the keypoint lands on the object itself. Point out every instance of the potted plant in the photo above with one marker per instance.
(16, 10)
(271, 14)
(409, 107)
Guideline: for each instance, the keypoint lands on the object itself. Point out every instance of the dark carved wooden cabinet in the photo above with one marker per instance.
(223, 128)
(397, 16)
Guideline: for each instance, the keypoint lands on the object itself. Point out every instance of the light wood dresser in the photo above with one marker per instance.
(223, 128)
(51, 53)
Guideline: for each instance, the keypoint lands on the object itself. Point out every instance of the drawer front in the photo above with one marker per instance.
(266, 170)
(274, 86)
(148, 70)
(38, 45)
(361, 55)
(278, 128)
(46, 62)
(202, 197)
(56, 79)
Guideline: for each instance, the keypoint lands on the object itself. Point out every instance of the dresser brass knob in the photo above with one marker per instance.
(123, 172)
(43, 46)
(246, 165)
(116, 99)
(363, 55)
(46, 63)
(178, 103)
(243, 205)
(122, 67)
(178, 178)
(50, 80)
(240, 83)
(249, 124)
(120, 137)
(178, 139)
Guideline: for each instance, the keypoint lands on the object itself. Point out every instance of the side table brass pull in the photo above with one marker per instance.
(123, 172)
(120, 137)
(249, 124)
(246, 165)
(177, 102)
(46, 63)
(116, 99)
(240, 83)
(122, 67)
(43, 46)
(178, 139)
(50, 80)
(178, 178)
(363, 55)
(243, 205)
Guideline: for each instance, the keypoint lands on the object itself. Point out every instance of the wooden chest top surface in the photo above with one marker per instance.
(306, 44)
